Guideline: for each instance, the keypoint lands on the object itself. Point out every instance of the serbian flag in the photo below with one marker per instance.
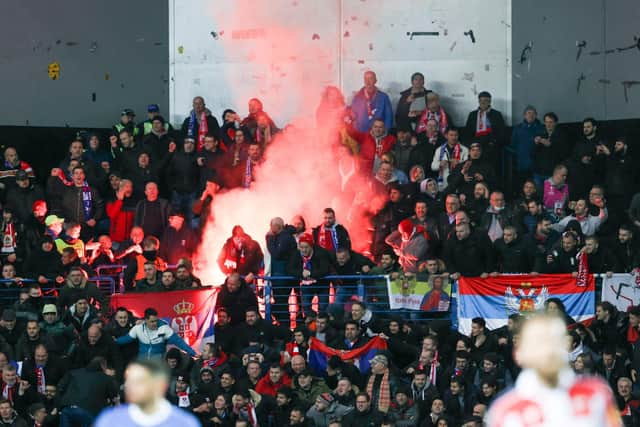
(190, 313)
(496, 298)
(319, 354)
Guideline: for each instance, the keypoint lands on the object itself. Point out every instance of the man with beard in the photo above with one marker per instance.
(562, 260)
(464, 177)
(486, 126)
(178, 240)
(330, 235)
(589, 224)
(236, 298)
(625, 248)
(620, 177)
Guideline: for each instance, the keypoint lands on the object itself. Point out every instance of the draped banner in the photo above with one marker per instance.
(190, 313)
(496, 298)
(412, 293)
(622, 290)
(319, 354)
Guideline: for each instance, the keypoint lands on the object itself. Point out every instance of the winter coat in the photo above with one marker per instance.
(522, 142)
(380, 107)
(73, 206)
(237, 303)
(335, 412)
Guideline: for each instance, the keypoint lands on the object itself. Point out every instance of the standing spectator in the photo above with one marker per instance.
(10, 168)
(156, 141)
(121, 212)
(556, 191)
(178, 239)
(620, 176)
(241, 254)
(466, 175)
(153, 336)
(23, 195)
(373, 144)
(200, 122)
(381, 385)
(330, 235)
(448, 156)
(371, 104)
(120, 325)
(497, 217)
(523, 142)
(95, 343)
(152, 280)
(563, 259)
(514, 255)
(588, 223)
(486, 126)
(435, 112)
(152, 213)
(82, 203)
(76, 286)
(551, 147)
(412, 103)
(468, 254)
(625, 248)
(145, 128)
(236, 298)
(183, 176)
(409, 244)
(363, 415)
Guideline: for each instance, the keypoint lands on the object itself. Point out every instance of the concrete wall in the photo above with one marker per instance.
(112, 55)
(548, 77)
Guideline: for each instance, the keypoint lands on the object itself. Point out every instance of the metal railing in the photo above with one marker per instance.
(331, 294)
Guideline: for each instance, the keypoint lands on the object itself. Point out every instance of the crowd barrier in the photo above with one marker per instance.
(10, 294)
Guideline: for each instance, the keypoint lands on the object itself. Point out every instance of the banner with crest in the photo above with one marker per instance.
(496, 298)
(412, 293)
(190, 313)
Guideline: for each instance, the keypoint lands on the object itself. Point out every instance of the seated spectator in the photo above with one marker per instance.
(363, 415)
(241, 254)
(436, 415)
(151, 282)
(611, 368)
(31, 307)
(9, 329)
(168, 281)
(344, 392)
(628, 403)
(8, 416)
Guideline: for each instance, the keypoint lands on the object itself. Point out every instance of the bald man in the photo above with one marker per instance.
(547, 392)
(371, 104)
(281, 246)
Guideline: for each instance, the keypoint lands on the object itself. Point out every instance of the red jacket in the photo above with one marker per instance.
(265, 386)
(121, 221)
(368, 148)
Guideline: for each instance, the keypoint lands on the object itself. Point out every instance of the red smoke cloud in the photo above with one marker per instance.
(300, 175)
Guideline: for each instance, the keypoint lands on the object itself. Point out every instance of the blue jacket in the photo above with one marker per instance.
(522, 142)
(381, 109)
(153, 343)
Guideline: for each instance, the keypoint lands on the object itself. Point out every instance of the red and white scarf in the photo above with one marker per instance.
(370, 110)
(328, 238)
(8, 239)
(183, 399)
(41, 382)
(483, 125)
(433, 368)
(203, 130)
(440, 117)
(583, 270)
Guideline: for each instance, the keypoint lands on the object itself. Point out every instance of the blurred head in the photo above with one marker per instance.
(370, 79)
(146, 381)
(122, 317)
(275, 373)
(530, 114)
(452, 204)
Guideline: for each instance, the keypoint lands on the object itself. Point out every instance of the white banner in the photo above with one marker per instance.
(622, 290)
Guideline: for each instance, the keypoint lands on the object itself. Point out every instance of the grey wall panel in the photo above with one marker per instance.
(117, 50)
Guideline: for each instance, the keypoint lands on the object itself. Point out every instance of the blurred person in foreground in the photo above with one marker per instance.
(547, 392)
(146, 383)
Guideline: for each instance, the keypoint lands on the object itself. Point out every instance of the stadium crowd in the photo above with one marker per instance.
(140, 196)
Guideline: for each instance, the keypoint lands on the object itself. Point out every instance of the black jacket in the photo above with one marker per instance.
(514, 257)
(370, 418)
(238, 302)
(546, 158)
(470, 257)
(73, 205)
(177, 244)
(21, 200)
(104, 347)
(321, 264)
(183, 173)
(89, 389)
(494, 140)
(212, 125)
(342, 235)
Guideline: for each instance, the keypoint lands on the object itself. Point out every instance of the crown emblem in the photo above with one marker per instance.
(183, 307)
(525, 285)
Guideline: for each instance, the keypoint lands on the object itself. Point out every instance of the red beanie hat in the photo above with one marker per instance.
(406, 226)
(306, 238)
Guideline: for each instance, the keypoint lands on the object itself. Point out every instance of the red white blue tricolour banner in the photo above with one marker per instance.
(190, 313)
(496, 298)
